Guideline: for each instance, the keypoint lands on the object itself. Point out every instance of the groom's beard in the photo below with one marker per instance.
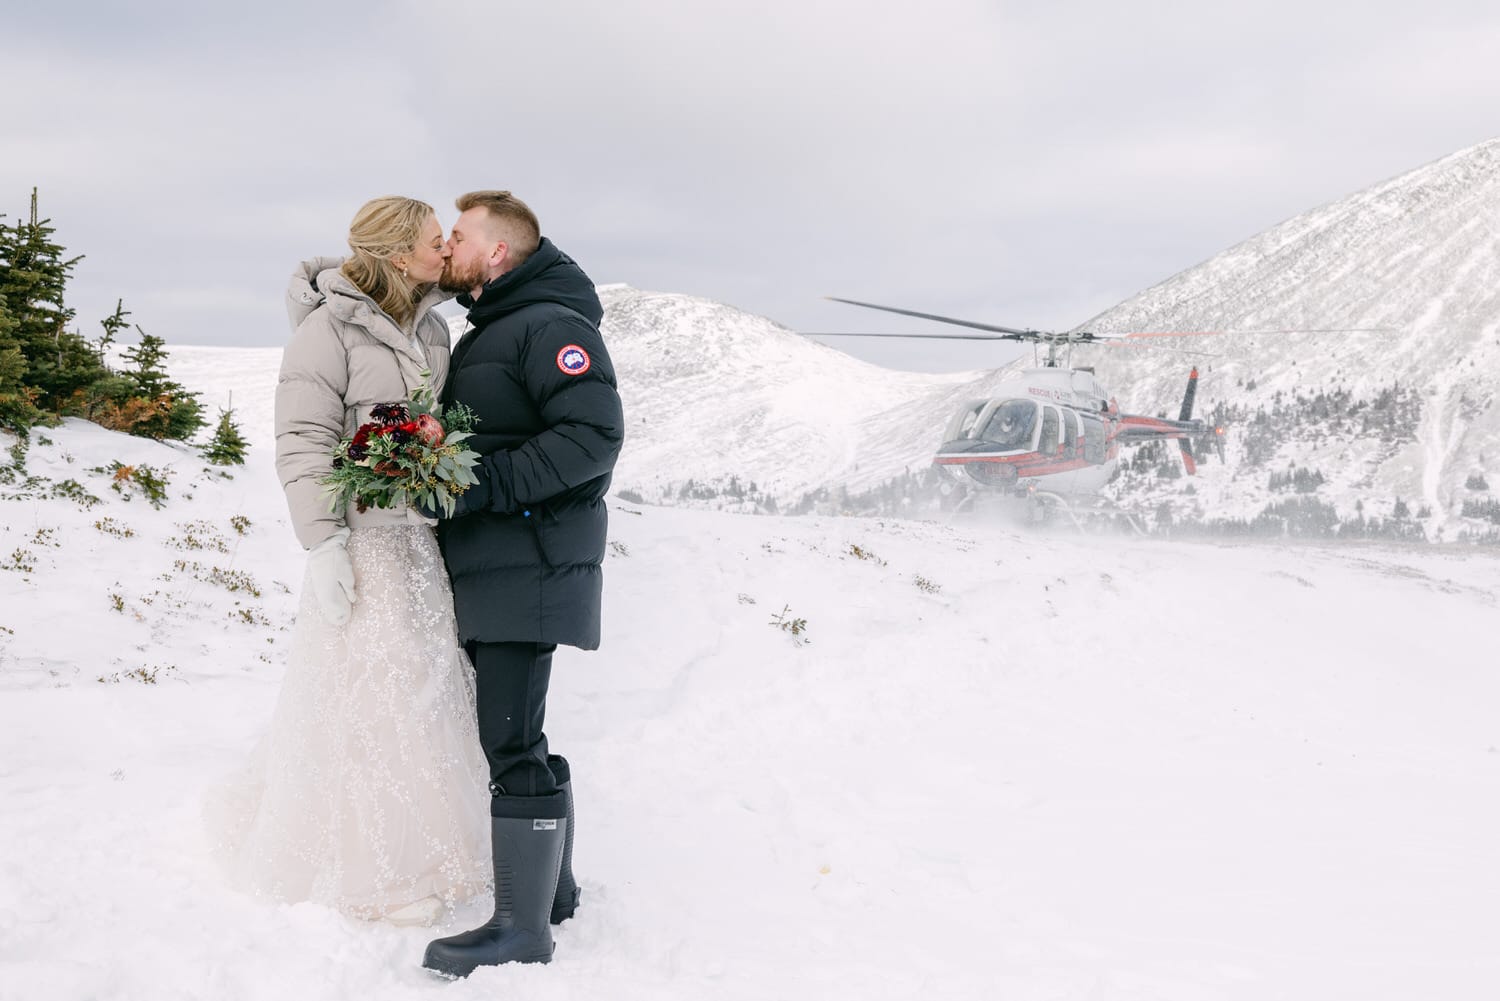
(455, 280)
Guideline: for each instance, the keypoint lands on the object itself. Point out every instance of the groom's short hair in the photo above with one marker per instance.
(516, 222)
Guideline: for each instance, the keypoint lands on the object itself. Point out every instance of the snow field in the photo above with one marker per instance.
(994, 764)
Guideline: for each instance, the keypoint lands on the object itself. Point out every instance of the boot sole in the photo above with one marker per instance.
(458, 970)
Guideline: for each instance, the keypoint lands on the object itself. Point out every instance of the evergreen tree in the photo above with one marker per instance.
(112, 324)
(110, 400)
(228, 446)
(18, 411)
(17, 400)
(47, 368)
(7, 322)
(34, 273)
(149, 358)
(170, 411)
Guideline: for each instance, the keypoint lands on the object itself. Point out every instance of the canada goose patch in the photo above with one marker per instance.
(573, 360)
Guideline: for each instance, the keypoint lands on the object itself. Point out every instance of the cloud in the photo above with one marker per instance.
(1027, 164)
(205, 169)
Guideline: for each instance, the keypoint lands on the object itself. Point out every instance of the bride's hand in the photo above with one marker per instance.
(330, 574)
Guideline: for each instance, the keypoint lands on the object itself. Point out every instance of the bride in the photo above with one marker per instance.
(368, 792)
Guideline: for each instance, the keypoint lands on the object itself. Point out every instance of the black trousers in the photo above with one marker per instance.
(510, 683)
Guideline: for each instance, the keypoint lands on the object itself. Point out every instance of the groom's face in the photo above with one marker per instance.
(478, 254)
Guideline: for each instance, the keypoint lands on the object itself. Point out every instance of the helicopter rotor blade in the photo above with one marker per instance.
(1142, 334)
(1056, 338)
(940, 319)
(1142, 346)
(917, 337)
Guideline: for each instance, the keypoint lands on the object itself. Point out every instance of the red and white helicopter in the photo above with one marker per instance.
(1052, 432)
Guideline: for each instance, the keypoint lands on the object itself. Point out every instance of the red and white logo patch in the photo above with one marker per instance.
(573, 360)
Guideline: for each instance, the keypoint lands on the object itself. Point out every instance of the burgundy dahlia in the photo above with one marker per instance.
(390, 413)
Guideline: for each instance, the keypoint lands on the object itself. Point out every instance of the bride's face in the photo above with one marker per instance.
(425, 263)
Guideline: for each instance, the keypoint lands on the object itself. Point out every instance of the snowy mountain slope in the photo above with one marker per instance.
(712, 392)
(1418, 255)
(988, 764)
(1393, 420)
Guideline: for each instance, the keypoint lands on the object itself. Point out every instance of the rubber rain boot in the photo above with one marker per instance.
(528, 834)
(565, 901)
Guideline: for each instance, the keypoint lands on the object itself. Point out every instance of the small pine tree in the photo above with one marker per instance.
(228, 446)
(34, 273)
(18, 410)
(149, 358)
(173, 412)
(8, 323)
(112, 324)
(17, 401)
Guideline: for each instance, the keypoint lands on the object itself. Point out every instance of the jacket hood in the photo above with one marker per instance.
(319, 281)
(549, 276)
(303, 293)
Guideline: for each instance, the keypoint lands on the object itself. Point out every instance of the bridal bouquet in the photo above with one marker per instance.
(408, 453)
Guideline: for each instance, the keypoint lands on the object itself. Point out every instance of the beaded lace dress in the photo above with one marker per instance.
(368, 793)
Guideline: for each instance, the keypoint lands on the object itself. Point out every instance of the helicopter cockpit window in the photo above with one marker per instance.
(1048, 443)
(964, 423)
(1070, 434)
(1010, 424)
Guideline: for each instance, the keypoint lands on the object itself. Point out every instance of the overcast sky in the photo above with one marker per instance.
(1025, 164)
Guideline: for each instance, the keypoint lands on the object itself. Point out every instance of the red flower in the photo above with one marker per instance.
(390, 413)
(429, 430)
(359, 447)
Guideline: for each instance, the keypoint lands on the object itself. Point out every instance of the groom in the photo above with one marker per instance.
(524, 546)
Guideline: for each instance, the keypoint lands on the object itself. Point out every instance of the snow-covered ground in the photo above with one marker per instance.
(994, 763)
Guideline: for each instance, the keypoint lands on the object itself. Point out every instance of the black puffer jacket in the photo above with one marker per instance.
(535, 371)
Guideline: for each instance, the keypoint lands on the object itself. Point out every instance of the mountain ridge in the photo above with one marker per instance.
(1417, 256)
(725, 408)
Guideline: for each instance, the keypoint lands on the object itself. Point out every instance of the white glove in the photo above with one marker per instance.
(330, 574)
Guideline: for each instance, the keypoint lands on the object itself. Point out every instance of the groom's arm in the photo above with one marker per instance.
(570, 378)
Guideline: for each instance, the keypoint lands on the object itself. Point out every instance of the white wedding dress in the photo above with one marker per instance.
(369, 792)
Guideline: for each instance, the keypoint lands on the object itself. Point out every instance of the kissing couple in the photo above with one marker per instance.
(406, 769)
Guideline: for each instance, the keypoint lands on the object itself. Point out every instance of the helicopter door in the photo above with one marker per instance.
(1051, 425)
(1093, 439)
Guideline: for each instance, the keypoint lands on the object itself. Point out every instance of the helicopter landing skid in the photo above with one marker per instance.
(1042, 504)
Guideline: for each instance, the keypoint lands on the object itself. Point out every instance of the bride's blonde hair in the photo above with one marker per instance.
(384, 228)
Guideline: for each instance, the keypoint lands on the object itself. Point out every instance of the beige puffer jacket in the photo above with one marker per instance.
(346, 355)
